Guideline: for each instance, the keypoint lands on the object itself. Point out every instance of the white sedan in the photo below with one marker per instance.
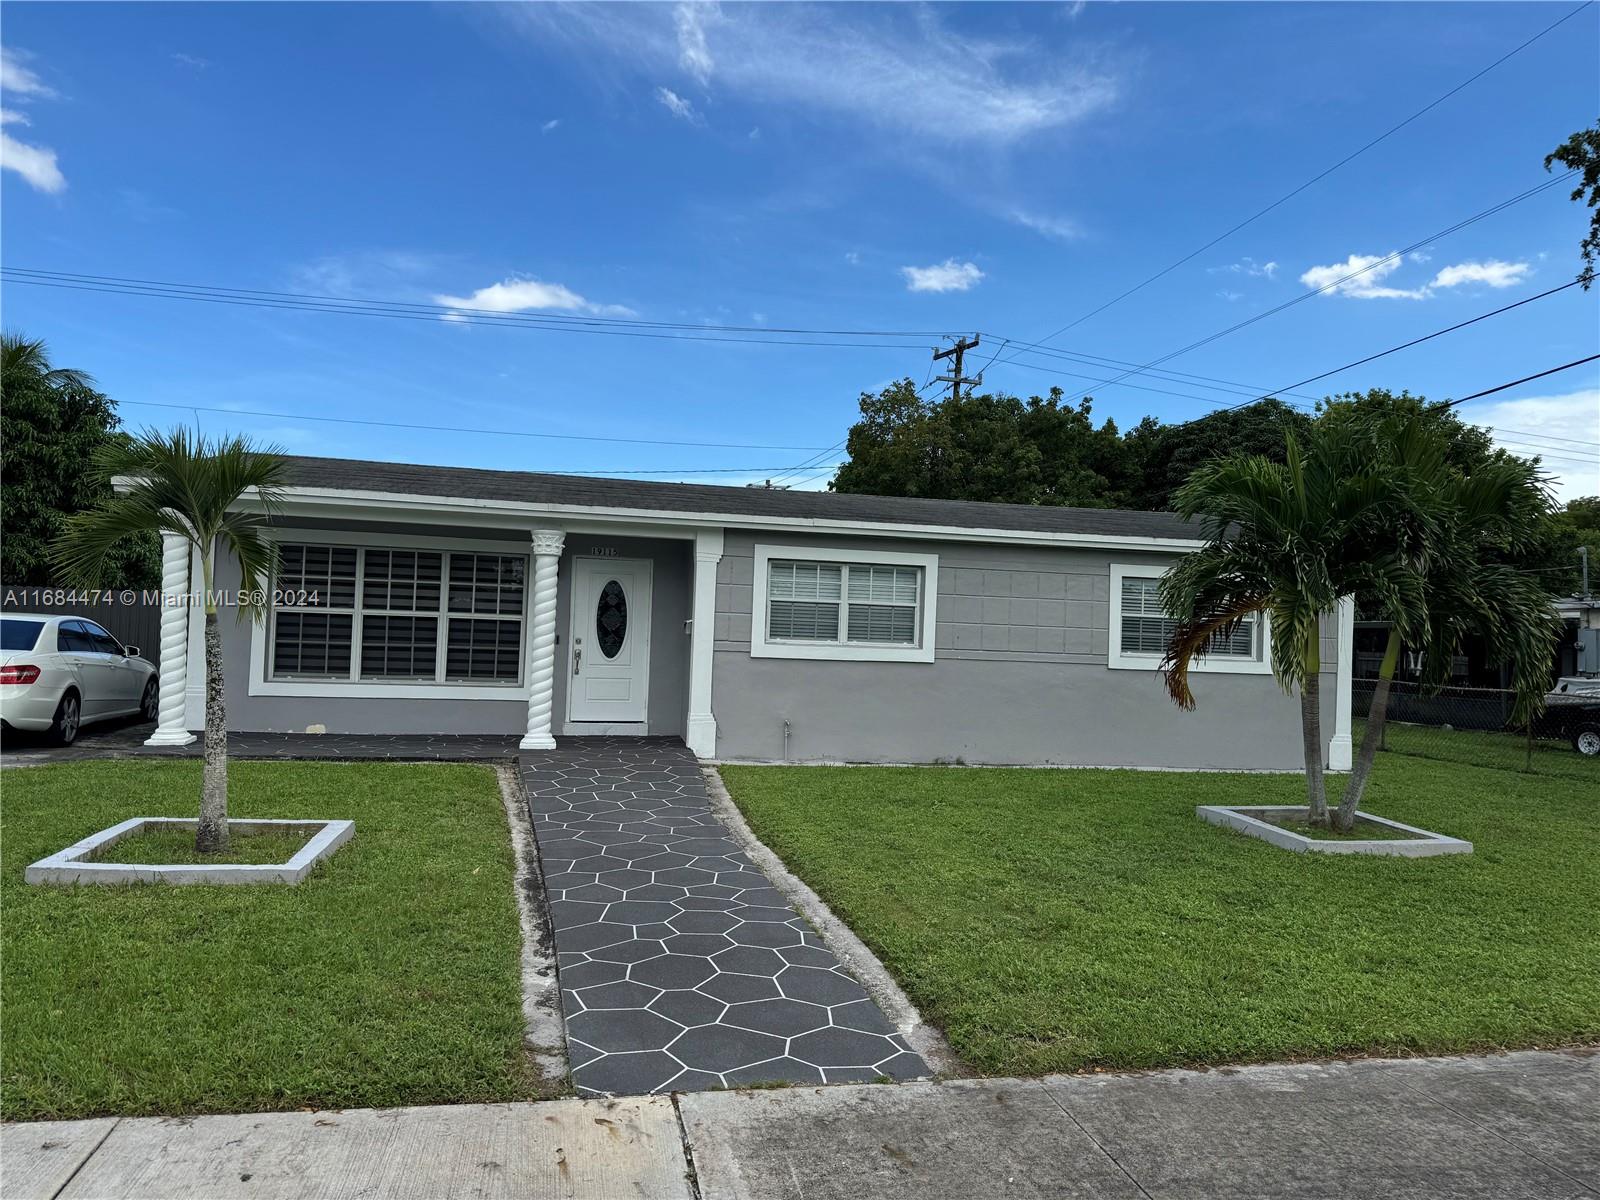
(58, 674)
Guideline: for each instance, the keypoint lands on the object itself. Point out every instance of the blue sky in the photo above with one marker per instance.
(996, 168)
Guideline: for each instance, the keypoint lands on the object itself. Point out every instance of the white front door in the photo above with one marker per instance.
(608, 656)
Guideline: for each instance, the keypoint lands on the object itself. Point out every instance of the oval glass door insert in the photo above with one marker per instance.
(611, 619)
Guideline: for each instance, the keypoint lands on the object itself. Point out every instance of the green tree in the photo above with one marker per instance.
(52, 421)
(1043, 450)
(181, 483)
(1451, 567)
(1286, 540)
(1581, 152)
(1166, 455)
(1578, 524)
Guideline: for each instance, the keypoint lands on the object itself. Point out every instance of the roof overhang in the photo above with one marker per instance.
(337, 503)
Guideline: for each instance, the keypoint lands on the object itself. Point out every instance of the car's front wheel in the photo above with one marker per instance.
(68, 720)
(1586, 740)
(150, 702)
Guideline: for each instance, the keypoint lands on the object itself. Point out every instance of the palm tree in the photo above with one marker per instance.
(1287, 541)
(1461, 586)
(25, 361)
(181, 483)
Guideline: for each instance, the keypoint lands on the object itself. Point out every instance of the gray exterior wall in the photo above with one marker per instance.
(1020, 676)
(672, 570)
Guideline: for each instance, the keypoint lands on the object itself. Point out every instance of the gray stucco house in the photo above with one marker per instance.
(755, 624)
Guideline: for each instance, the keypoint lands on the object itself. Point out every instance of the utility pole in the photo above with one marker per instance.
(955, 379)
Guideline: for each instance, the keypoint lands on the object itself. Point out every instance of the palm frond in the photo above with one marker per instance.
(1190, 639)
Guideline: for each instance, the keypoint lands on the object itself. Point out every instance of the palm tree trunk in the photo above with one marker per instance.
(1311, 734)
(1377, 715)
(212, 835)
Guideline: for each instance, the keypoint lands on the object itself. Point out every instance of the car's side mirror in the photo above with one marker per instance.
(130, 652)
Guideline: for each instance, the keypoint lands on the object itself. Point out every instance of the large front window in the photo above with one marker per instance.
(843, 604)
(397, 615)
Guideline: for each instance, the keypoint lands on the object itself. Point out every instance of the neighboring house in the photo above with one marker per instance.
(1578, 647)
(755, 624)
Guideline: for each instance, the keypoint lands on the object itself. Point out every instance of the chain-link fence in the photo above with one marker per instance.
(1474, 725)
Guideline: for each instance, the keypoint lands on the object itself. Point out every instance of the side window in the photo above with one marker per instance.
(72, 638)
(104, 643)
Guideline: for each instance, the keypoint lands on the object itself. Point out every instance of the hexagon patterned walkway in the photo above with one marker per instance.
(681, 967)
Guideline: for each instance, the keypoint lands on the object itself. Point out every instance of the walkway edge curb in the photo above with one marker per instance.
(839, 937)
(544, 1029)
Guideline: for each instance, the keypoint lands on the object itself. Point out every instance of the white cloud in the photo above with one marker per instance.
(1370, 270)
(391, 273)
(530, 295)
(1558, 425)
(677, 105)
(1368, 284)
(549, 125)
(948, 276)
(693, 53)
(1061, 228)
(901, 68)
(18, 78)
(853, 257)
(1247, 266)
(192, 60)
(36, 164)
(1230, 297)
(1495, 273)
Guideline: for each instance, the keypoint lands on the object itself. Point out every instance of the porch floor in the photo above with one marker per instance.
(681, 967)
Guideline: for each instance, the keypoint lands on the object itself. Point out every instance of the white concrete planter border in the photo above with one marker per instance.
(1239, 817)
(70, 865)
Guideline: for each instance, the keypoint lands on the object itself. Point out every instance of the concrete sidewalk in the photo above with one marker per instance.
(1523, 1125)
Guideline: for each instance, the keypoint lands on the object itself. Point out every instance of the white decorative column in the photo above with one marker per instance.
(172, 727)
(701, 733)
(547, 544)
(1340, 751)
(194, 703)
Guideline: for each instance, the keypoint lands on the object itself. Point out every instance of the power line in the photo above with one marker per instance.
(1418, 341)
(1343, 279)
(812, 462)
(453, 309)
(382, 309)
(1313, 180)
(523, 433)
(1214, 384)
(1525, 379)
(1212, 406)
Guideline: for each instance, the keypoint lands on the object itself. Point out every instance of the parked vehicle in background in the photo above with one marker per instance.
(1572, 713)
(58, 674)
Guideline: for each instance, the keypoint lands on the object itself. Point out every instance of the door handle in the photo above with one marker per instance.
(577, 661)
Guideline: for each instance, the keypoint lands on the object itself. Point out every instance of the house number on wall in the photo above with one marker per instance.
(603, 551)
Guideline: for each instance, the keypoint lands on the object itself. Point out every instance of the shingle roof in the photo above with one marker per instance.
(525, 487)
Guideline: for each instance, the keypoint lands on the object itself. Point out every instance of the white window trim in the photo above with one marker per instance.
(1119, 660)
(927, 597)
(367, 689)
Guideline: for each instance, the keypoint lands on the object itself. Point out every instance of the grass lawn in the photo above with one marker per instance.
(1057, 920)
(1363, 831)
(390, 976)
(1486, 748)
(167, 846)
